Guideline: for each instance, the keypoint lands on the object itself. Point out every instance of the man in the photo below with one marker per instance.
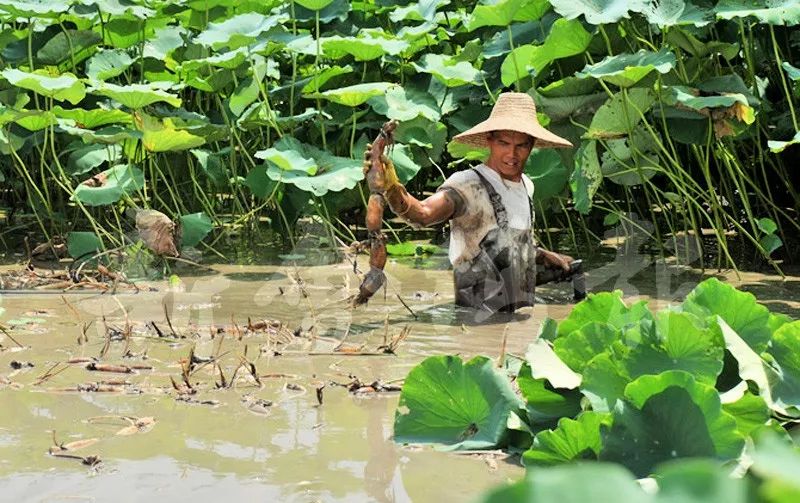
(491, 242)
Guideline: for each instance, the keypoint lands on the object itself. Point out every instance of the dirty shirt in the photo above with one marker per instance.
(491, 245)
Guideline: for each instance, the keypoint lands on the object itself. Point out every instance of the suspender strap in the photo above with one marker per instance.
(497, 203)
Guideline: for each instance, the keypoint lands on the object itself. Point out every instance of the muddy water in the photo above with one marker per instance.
(271, 441)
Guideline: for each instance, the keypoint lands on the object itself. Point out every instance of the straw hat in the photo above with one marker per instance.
(513, 112)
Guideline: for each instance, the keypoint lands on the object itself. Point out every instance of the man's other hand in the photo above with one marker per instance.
(554, 260)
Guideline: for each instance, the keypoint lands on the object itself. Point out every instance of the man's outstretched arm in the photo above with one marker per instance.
(432, 210)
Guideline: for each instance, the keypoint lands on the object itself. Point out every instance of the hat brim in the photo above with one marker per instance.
(479, 134)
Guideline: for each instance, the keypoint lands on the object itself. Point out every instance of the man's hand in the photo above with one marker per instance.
(381, 176)
(554, 260)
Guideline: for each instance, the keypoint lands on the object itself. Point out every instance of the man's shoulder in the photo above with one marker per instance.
(462, 177)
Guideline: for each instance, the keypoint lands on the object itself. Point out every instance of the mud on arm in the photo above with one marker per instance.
(435, 209)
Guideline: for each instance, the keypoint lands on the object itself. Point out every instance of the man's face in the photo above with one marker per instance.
(508, 152)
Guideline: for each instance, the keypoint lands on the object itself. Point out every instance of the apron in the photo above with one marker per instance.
(502, 277)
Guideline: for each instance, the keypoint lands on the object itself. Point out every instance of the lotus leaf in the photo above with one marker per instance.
(259, 183)
(785, 351)
(87, 157)
(598, 12)
(69, 46)
(690, 43)
(80, 244)
(448, 71)
(338, 9)
(625, 70)
(604, 307)
(238, 30)
(245, 94)
(64, 87)
(578, 347)
(164, 41)
(319, 79)
(36, 120)
(362, 48)
(548, 173)
(604, 382)
(791, 71)
(572, 484)
(91, 119)
(780, 146)
(646, 430)
(630, 161)
(587, 176)
(134, 96)
(229, 59)
(353, 96)
(566, 38)
(420, 11)
(521, 34)
(194, 228)
(619, 116)
(288, 160)
(563, 108)
(110, 186)
(776, 12)
(545, 364)
(750, 412)
(213, 166)
(35, 8)
(699, 481)
(739, 310)
(107, 135)
(569, 87)
(460, 405)
(314, 4)
(406, 104)
(544, 403)
(686, 97)
(163, 136)
(573, 439)
(468, 152)
(504, 12)
(665, 13)
(775, 458)
(119, 8)
(404, 164)
(411, 249)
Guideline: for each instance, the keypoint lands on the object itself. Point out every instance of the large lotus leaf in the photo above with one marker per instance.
(404, 163)
(566, 38)
(135, 96)
(319, 79)
(314, 4)
(598, 11)
(776, 12)
(679, 341)
(665, 13)
(690, 98)
(243, 96)
(10, 142)
(578, 347)
(34, 120)
(194, 227)
(545, 403)
(420, 11)
(163, 136)
(353, 96)
(567, 87)
(669, 416)
(118, 7)
(213, 165)
(163, 41)
(630, 161)
(691, 44)
(460, 405)
(504, 12)
(80, 244)
(107, 135)
(521, 34)
(87, 157)
(586, 177)
(604, 381)
(35, 8)
(577, 483)
(288, 160)
(337, 9)
(362, 48)
(110, 185)
(564, 108)
(545, 364)
(64, 87)
(625, 70)
(619, 116)
(429, 135)
(572, 440)
(548, 173)
(785, 352)
(780, 146)
(750, 412)
(93, 118)
(238, 30)
(739, 310)
(448, 70)
(604, 307)
(68, 48)
(777, 461)
(406, 104)
(699, 481)
(229, 59)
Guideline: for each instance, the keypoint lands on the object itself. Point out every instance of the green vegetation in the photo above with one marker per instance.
(623, 385)
(683, 113)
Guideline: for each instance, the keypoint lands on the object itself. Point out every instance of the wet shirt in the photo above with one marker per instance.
(474, 218)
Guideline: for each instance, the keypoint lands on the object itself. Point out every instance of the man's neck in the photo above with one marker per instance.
(517, 177)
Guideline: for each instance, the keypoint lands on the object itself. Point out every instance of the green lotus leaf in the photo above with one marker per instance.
(80, 244)
(402, 158)
(573, 439)
(572, 484)
(775, 12)
(598, 12)
(647, 431)
(406, 104)
(88, 157)
(604, 307)
(630, 161)
(691, 44)
(625, 70)
(213, 165)
(504, 12)
(125, 31)
(69, 46)
(229, 59)
(750, 412)
(10, 142)
(33, 120)
(460, 405)
(545, 364)
(777, 460)
(448, 70)
(362, 48)
(665, 13)
(243, 96)
(353, 96)
(163, 136)
(548, 173)
(521, 34)
(260, 184)
(785, 352)
(699, 481)
(739, 310)
(238, 30)
(91, 119)
(64, 87)
(107, 135)
(324, 75)
(566, 38)
(120, 180)
(544, 403)
(578, 347)
(134, 96)
(619, 116)
(690, 98)
(164, 41)
(604, 381)
(678, 341)
(791, 71)
(564, 108)
(35, 8)
(314, 4)
(780, 146)
(119, 8)
(194, 227)
(586, 177)
(468, 152)
(107, 64)
(420, 11)
(288, 160)
(337, 9)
